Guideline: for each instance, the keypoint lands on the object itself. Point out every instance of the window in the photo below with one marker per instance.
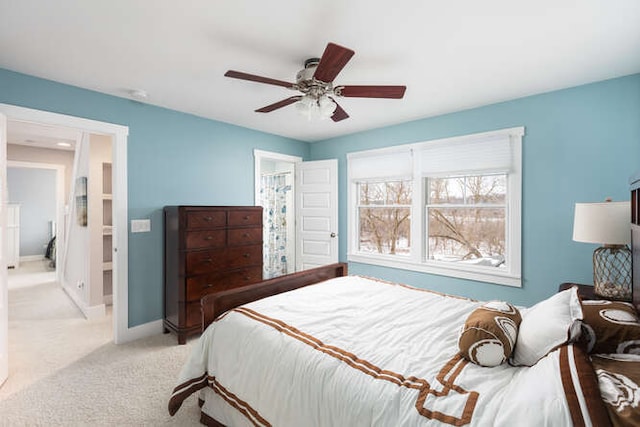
(466, 219)
(449, 207)
(384, 217)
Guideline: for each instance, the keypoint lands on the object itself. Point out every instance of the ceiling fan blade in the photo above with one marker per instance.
(339, 113)
(259, 79)
(395, 92)
(279, 104)
(333, 60)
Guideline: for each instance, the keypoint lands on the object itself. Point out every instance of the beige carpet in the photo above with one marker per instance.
(65, 370)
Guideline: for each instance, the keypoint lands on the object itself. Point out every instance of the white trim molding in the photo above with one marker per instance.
(258, 156)
(121, 331)
(497, 151)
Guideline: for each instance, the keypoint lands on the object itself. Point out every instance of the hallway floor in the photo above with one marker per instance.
(46, 330)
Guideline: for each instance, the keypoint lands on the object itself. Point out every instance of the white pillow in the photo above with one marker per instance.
(547, 325)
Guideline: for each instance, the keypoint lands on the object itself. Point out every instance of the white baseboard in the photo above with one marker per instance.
(95, 311)
(89, 312)
(28, 258)
(134, 333)
(141, 331)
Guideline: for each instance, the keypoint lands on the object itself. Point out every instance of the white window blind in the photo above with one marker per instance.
(395, 164)
(488, 153)
(478, 155)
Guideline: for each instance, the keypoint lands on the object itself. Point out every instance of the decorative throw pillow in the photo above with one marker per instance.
(489, 333)
(546, 326)
(610, 327)
(619, 383)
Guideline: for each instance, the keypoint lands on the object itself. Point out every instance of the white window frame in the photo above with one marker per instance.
(510, 276)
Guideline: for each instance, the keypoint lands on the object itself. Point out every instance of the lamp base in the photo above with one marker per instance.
(612, 272)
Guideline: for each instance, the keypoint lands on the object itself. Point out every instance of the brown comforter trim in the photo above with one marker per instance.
(243, 407)
(185, 389)
(581, 388)
(447, 375)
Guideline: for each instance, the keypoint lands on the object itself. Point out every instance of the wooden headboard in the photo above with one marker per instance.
(215, 304)
(635, 239)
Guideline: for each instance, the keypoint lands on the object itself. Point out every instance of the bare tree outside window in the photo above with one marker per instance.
(384, 210)
(466, 219)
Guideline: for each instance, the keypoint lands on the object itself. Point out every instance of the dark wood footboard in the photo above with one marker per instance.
(215, 304)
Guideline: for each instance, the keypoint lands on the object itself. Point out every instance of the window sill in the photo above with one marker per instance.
(469, 273)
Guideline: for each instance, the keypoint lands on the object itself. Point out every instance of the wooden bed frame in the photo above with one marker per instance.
(215, 304)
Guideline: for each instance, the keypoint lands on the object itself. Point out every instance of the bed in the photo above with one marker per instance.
(321, 348)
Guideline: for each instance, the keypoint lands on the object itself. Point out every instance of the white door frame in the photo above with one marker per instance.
(260, 155)
(4, 286)
(121, 331)
(60, 202)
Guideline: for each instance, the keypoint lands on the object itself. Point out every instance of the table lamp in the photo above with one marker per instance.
(608, 224)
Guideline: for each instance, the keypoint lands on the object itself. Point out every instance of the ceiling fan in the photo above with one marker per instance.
(315, 83)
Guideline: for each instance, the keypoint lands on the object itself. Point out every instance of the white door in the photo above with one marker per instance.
(12, 236)
(4, 287)
(316, 213)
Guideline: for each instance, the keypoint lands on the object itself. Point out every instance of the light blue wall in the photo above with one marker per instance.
(581, 145)
(173, 158)
(34, 189)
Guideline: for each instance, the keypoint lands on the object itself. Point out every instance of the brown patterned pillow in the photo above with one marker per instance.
(618, 380)
(489, 333)
(610, 327)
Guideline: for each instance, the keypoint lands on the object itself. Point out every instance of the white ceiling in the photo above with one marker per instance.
(451, 55)
(42, 136)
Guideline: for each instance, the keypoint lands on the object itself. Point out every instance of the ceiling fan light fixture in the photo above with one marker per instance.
(315, 87)
(316, 108)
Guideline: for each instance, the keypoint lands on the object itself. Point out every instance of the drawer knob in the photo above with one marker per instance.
(247, 255)
(209, 285)
(246, 217)
(208, 218)
(247, 278)
(208, 260)
(245, 235)
(208, 238)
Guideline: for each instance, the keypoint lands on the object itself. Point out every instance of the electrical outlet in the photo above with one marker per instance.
(140, 225)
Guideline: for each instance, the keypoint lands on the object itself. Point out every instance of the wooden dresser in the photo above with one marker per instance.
(207, 249)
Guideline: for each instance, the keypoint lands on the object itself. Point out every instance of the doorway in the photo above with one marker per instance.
(36, 196)
(119, 135)
(275, 192)
(300, 217)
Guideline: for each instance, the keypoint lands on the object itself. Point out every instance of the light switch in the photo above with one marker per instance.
(140, 225)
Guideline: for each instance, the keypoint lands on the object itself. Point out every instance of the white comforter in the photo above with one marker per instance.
(354, 351)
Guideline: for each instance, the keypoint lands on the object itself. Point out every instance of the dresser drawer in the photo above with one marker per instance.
(244, 236)
(205, 239)
(240, 256)
(245, 217)
(200, 262)
(206, 219)
(199, 286)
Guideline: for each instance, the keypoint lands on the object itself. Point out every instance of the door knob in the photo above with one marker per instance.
(333, 235)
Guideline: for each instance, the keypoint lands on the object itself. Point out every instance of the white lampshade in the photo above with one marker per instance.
(316, 108)
(605, 223)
